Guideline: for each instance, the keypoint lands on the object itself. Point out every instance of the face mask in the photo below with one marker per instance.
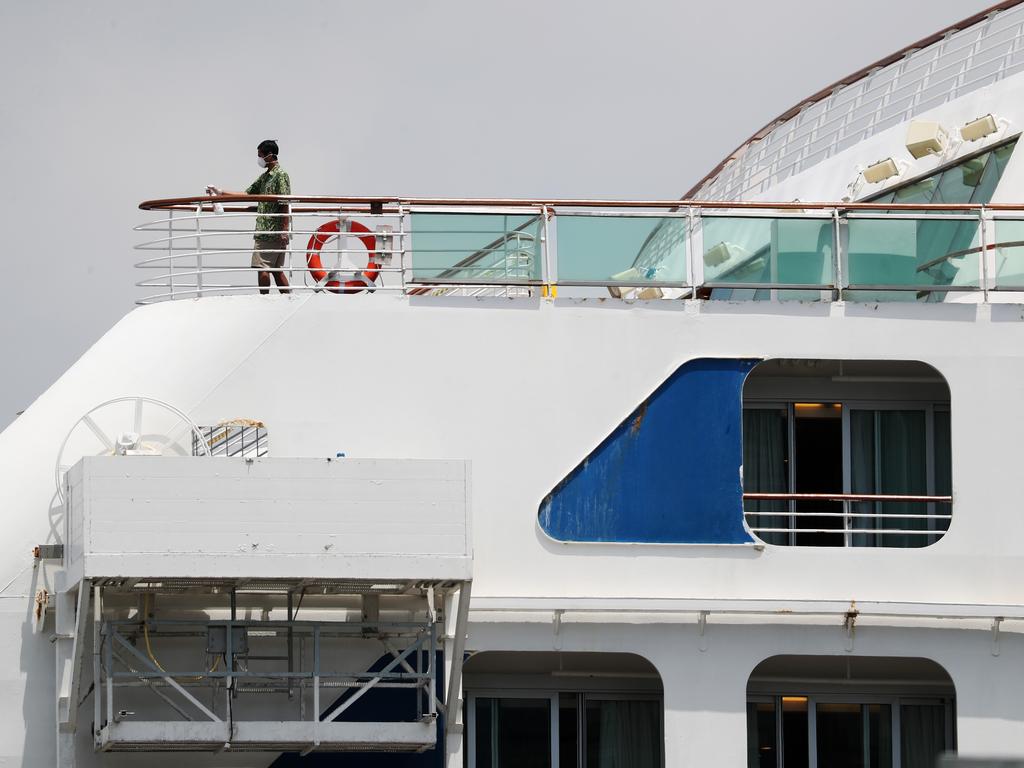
(261, 162)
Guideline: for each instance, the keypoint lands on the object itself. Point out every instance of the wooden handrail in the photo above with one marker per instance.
(327, 204)
(843, 497)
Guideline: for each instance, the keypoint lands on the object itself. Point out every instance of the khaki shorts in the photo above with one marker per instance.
(269, 253)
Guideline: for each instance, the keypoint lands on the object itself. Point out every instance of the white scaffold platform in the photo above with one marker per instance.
(184, 577)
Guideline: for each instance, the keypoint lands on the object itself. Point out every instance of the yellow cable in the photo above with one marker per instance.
(149, 648)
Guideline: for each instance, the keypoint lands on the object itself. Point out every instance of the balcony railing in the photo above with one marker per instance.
(847, 519)
(624, 249)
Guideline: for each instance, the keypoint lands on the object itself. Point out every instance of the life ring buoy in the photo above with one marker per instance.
(363, 280)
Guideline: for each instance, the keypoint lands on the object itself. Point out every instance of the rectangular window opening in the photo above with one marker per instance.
(869, 464)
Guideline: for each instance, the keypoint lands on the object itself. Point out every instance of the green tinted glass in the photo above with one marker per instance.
(767, 251)
(469, 247)
(631, 250)
(911, 252)
(1009, 253)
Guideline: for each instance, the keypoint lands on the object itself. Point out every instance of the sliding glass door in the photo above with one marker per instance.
(564, 730)
(847, 731)
(847, 447)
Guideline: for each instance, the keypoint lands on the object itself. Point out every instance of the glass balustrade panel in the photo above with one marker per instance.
(484, 248)
(751, 252)
(626, 251)
(914, 256)
(1009, 254)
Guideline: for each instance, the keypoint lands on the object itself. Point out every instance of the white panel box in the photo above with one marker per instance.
(224, 518)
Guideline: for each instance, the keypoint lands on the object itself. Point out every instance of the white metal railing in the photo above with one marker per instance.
(850, 519)
(203, 246)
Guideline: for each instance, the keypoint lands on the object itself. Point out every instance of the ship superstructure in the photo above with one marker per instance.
(713, 481)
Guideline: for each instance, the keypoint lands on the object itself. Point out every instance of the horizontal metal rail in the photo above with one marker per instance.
(854, 525)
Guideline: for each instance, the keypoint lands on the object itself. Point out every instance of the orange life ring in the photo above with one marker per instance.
(332, 280)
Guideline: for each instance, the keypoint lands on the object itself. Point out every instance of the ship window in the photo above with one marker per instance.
(972, 180)
(818, 721)
(846, 453)
(583, 710)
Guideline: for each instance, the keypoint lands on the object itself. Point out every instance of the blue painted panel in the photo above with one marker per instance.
(669, 473)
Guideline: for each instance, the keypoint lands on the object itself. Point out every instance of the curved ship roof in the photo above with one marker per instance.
(953, 62)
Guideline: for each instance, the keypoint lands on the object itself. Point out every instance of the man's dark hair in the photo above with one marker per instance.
(267, 147)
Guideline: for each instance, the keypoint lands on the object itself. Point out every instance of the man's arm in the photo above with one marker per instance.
(217, 191)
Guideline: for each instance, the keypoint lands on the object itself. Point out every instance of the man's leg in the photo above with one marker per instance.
(282, 282)
(277, 259)
(260, 263)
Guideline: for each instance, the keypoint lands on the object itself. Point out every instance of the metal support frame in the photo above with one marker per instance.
(121, 663)
(453, 693)
(69, 649)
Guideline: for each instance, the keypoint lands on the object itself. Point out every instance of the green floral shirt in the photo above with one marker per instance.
(274, 181)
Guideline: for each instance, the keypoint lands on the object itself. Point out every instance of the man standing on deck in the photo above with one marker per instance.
(272, 223)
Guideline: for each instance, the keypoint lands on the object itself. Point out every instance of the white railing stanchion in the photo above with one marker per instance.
(548, 254)
(288, 246)
(688, 253)
(984, 254)
(401, 247)
(170, 250)
(199, 251)
(696, 243)
(837, 257)
(847, 536)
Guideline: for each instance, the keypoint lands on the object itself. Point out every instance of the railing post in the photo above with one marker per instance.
(984, 254)
(199, 251)
(847, 534)
(837, 258)
(401, 247)
(170, 250)
(688, 255)
(696, 248)
(550, 274)
(288, 247)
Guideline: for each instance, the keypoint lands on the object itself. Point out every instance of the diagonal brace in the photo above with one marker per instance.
(408, 668)
(371, 683)
(149, 683)
(167, 678)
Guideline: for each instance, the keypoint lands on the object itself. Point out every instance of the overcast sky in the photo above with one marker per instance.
(109, 102)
